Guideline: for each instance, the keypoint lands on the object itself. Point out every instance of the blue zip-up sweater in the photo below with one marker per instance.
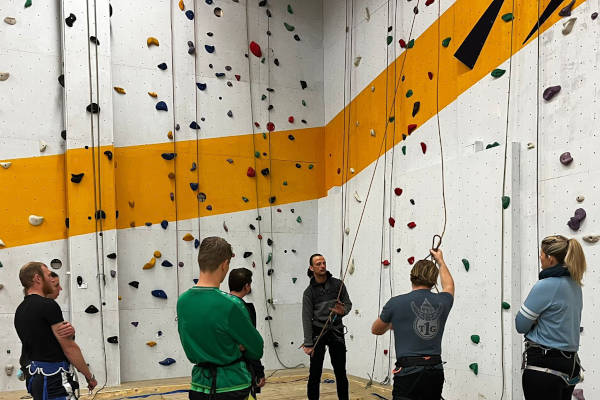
(551, 314)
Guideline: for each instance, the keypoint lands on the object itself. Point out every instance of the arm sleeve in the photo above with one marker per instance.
(386, 313)
(538, 300)
(242, 331)
(307, 311)
(345, 298)
(52, 313)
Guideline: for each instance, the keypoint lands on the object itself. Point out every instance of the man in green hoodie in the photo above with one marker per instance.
(214, 328)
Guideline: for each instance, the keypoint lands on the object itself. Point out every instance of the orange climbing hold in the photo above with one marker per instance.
(181, 5)
(150, 264)
(170, 135)
(151, 343)
(153, 94)
(152, 41)
(157, 254)
(255, 49)
(119, 90)
(188, 237)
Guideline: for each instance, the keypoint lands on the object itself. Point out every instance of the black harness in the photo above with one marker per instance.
(212, 368)
(417, 361)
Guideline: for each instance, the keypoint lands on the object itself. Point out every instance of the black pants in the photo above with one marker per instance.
(543, 386)
(337, 352)
(424, 385)
(59, 387)
(237, 395)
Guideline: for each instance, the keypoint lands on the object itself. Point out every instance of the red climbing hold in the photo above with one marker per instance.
(411, 128)
(411, 225)
(430, 75)
(339, 170)
(255, 49)
(251, 172)
(398, 191)
(270, 126)
(291, 119)
(429, 2)
(402, 43)
(238, 77)
(256, 124)
(411, 260)
(385, 262)
(392, 222)
(423, 147)
(259, 237)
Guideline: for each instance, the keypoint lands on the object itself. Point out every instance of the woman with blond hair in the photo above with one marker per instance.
(550, 318)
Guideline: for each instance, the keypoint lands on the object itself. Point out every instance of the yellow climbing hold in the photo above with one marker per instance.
(181, 5)
(2, 244)
(188, 237)
(170, 135)
(157, 254)
(150, 264)
(152, 41)
(119, 90)
(153, 94)
(151, 343)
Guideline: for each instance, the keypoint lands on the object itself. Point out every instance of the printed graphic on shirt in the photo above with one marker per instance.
(427, 321)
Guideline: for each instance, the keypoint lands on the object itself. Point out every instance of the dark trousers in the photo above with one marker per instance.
(237, 395)
(539, 385)
(424, 385)
(337, 352)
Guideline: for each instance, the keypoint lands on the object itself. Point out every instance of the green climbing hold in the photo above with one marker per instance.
(27, 3)
(505, 202)
(475, 368)
(508, 17)
(392, 118)
(299, 219)
(289, 8)
(475, 339)
(289, 27)
(497, 73)
(263, 97)
(304, 103)
(446, 42)
(492, 145)
(294, 280)
(466, 264)
(262, 60)
(264, 135)
(404, 150)
(505, 305)
(389, 40)
(310, 166)
(257, 154)
(409, 93)
(410, 44)
(269, 258)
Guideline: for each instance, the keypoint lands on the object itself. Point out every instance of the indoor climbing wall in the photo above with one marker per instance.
(504, 130)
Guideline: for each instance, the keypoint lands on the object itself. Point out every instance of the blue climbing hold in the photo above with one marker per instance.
(220, 74)
(194, 125)
(168, 156)
(164, 223)
(196, 243)
(162, 66)
(209, 207)
(148, 223)
(201, 86)
(76, 178)
(67, 222)
(209, 2)
(194, 186)
(159, 293)
(166, 263)
(167, 361)
(209, 48)
(161, 106)
(194, 166)
(189, 14)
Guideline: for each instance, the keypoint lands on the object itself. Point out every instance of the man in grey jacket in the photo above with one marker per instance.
(319, 301)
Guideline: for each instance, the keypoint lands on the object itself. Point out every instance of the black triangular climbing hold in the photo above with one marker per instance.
(91, 309)
(93, 108)
(70, 20)
(134, 284)
(95, 40)
(76, 178)
(303, 84)
(247, 254)
(112, 256)
(471, 47)
(63, 134)
(61, 80)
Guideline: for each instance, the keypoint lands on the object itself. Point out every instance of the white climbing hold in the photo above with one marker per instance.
(568, 26)
(357, 123)
(347, 231)
(9, 369)
(10, 20)
(580, 199)
(351, 268)
(357, 61)
(36, 220)
(530, 145)
(6, 164)
(1, 286)
(4, 76)
(372, 132)
(367, 14)
(591, 238)
(357, 197)
(2, 244)
(43, 146)
(372, 88)
(351, 170)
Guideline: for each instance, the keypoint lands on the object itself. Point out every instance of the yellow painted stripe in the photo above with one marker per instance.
(39, 185)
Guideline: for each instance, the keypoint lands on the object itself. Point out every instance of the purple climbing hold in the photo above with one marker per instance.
(594, 15)
(164, 223)
(162, 66)
(196, 243)
(575, 221)
(566, 11)
(189, 14)
(194, 166)
(209, 208)
(168, 156)
(167, 361)
(580, 214)
(194, 125)
(550, 92)
(209, 48)
(201, 86)
(159, 293)
(565, 158)
(220, 74)
(161, 106)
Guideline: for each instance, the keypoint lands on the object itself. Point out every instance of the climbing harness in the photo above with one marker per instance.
(49, 369)
(569, 379)
(212, 368)
(417, 361)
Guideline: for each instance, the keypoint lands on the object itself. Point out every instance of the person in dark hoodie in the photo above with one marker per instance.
(319, 301)
(240, 285)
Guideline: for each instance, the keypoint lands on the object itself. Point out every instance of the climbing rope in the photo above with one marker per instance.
(251, 92)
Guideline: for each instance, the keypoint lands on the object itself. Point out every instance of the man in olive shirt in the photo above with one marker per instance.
(214, 328)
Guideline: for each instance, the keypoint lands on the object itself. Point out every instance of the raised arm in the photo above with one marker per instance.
(445, 276)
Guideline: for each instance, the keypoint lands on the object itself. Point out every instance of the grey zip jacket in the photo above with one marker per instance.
(317, 301)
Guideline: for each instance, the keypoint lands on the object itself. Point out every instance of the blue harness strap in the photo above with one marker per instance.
(46, 369)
